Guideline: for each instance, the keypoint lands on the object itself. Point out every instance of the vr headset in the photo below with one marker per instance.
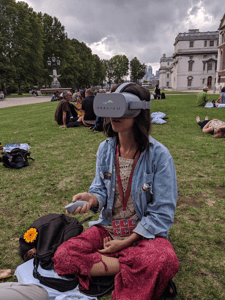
(119, 104)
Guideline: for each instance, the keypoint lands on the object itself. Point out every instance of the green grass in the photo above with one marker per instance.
(15, 95)
(65, 165)
(174, 92)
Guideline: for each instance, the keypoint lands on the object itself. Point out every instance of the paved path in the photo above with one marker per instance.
(8, 102)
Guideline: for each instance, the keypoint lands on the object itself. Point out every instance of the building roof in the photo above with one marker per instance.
(222, 22)
(166, 59)
(194, 34)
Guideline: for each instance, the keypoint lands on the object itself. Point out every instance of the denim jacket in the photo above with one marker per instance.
(155, 206)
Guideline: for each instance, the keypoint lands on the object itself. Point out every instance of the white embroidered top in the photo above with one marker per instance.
(118, 212)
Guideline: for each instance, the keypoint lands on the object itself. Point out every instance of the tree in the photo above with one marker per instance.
(137, 70)
(86, 68)
(108, 71)
(99, 72)
(120, 66)
(54, 43)
(21, 44)
(70, 70)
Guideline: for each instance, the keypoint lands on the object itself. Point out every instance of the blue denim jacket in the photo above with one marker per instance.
(154, 207)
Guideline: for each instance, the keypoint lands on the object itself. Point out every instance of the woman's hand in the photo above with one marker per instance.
(91, 201)
(112, 246)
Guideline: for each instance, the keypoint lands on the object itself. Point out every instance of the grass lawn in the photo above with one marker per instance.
(65, 165)
(174, 92)
(15, 95)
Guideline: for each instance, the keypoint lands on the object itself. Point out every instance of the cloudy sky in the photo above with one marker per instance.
(142, 28)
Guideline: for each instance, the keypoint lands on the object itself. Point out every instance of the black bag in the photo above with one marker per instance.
(52, 231)
(163, 96)
(17, 158)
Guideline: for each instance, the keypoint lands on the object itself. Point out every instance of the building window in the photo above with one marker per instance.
(191, 44)
(168, 75)
(219, 79)
(211, 43)
(209, 66)
(203, 80)
(189, 80)
(204, 56)
(167, 84)
(168, 64)
(203, 66)
(205, 45)
(222, 38)
(190, 65)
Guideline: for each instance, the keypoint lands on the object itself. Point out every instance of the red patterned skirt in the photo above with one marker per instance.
(145, 269)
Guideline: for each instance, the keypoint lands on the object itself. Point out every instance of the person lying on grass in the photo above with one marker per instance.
(135, 190)
(215, 126)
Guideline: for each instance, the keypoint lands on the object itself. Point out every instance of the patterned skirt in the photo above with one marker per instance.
(145, 268)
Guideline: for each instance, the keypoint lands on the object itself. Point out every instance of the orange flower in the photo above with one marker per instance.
(30, 235)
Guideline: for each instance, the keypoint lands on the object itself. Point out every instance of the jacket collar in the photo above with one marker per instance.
(112, 141)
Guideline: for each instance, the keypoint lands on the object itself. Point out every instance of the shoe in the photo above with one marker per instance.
(99, 286)
(73, 124)
(167, 294)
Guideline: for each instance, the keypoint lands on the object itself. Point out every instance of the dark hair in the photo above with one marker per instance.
(82, 93)
(223, 89)
(221, 130)
(142, 122)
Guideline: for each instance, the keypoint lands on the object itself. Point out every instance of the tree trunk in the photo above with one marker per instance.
(4, 89)
(19, 89)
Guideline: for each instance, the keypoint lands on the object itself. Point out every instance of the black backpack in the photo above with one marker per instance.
(16, 159)
(163, 96)
(52, 230)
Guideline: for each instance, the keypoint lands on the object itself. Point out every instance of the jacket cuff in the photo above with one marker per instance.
(139, 229)
(100, 204)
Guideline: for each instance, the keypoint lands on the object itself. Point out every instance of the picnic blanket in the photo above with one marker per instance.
(24, 274)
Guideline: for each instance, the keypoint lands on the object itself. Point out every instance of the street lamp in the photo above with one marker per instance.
(50, 61)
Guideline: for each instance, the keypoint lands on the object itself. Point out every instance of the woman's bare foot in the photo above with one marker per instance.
(206, 117)
(197, 119)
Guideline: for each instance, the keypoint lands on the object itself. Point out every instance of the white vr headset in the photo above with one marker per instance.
(119, 104)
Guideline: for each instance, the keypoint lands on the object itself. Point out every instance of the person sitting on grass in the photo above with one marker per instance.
(87, 107)
(221, 99)
(135, 190)
(156, 92)
(65, 111)
(215, 126)
(202, 97)
(2, 96)
(56, 96)
(78, 104)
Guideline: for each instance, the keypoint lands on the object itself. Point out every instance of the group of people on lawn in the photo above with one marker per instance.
(214, 126)
(81, 112)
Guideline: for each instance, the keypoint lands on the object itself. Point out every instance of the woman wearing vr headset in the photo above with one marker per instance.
(136, 192)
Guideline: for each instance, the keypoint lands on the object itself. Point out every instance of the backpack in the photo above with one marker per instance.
(16, 159)
(45, 235)
(163, 96)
